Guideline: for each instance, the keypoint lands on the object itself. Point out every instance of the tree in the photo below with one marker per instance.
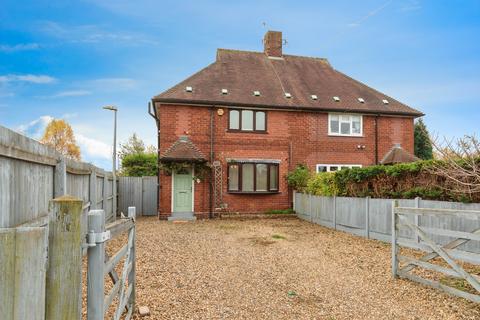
(134, 145)
(59, 135)
(422, 144)
(460, 164)
(140, 164)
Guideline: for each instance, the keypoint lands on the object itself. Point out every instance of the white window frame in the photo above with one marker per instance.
(350, 166)
(339, 133)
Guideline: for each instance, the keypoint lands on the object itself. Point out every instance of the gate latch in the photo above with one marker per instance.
(97, 237)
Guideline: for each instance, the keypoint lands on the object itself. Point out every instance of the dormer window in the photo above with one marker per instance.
(247, 120)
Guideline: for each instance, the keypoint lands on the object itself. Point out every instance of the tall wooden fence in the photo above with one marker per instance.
(32, 174)
(371, 218)
(138, 192)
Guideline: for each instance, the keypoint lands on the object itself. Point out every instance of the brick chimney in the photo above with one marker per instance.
(272, 42)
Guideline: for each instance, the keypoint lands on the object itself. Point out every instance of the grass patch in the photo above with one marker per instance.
(261, 241)
(278, 236)
(459, 284)
(275, 211)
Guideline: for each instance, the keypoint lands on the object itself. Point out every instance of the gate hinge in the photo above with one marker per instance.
(97, 237)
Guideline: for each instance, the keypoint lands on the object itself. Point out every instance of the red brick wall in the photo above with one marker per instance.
(303, 135)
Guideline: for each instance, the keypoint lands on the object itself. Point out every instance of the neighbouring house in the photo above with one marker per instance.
(253, 116)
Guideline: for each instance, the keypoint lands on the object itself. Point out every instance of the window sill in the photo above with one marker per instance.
(253, 192)
(345, 135)
(246, 131)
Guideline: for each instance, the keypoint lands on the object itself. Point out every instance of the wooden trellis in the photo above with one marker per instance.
(218, 185)
(450, 253)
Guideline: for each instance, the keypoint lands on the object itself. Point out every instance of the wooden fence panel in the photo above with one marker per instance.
(25, 189)
(149, 196)
(23, 272)
(139, 192)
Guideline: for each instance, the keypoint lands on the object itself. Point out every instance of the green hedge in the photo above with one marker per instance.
(403, 181)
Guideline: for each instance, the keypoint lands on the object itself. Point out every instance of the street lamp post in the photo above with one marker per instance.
(114, 158)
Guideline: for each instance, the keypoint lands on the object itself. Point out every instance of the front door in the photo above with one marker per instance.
(182, 190)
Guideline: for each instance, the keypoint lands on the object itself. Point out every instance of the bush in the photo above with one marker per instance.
(298, 178)
(404, 181)
(140, 164)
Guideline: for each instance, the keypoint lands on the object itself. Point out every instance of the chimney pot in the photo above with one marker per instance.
(272, 42)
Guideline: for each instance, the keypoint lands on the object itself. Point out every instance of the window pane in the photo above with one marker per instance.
(345, 128)
(234, 119)
(273, 177)
(262, 177)
(334, 124)
(259, 120)
(344, 167)
(233, 177)
(247, 120)
(356, 125)
(247, 177)
(333, 168)
(321, 169)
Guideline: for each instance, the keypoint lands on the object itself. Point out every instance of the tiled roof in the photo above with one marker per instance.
(243, 72)
(398, 155)
(183, 150)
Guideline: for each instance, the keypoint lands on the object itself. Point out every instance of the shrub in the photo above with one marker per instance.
(140, 164)
(298, 178)
(405, 181)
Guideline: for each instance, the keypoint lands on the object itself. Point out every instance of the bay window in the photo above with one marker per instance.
(253, 177)
(345, 124)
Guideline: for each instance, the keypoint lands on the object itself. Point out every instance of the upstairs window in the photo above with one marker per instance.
(335, 167)
(345, 124)
(253, 177)
(247, 120)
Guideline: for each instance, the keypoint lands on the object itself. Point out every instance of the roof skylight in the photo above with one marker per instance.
(224, 91)
(189, 89)
(314, 97)
(288, 95)
(256, 93)
(385, 101)
(336, 99)
(361, 100)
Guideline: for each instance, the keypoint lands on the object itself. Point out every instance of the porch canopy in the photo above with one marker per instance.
(183, 150)
(398, 155)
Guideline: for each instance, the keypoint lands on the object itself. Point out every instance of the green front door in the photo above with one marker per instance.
(182, 190)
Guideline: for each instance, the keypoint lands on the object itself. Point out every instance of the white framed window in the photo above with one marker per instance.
(345, 124)
(335, 167)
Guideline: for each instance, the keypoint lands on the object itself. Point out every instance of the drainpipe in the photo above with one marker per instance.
(157, 121)
(376, 139)
(212, 156)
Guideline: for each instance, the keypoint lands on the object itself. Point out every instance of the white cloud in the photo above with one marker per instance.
(93, 34)
(31, 78)
(93, 148)
(19, 47)
(68, 93)
(36, 127)
(112, 84)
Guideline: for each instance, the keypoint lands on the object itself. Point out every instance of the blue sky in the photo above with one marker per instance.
(67, 59)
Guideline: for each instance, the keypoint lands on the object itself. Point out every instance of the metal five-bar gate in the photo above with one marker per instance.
(100, 264)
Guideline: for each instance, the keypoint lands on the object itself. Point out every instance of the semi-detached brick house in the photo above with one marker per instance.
(256, 115)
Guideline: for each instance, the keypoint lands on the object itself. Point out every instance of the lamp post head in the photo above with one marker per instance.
(111, 108)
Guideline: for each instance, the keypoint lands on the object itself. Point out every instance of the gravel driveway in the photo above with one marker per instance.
(275, 269)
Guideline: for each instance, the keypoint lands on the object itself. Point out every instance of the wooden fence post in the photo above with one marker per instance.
(417, 222)
(394, 239)
(64, 286)
(310, 207)
(96, 265)
(7, 272)
(367, 217)
(131, 275)
(60, 178)
(93, 190)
